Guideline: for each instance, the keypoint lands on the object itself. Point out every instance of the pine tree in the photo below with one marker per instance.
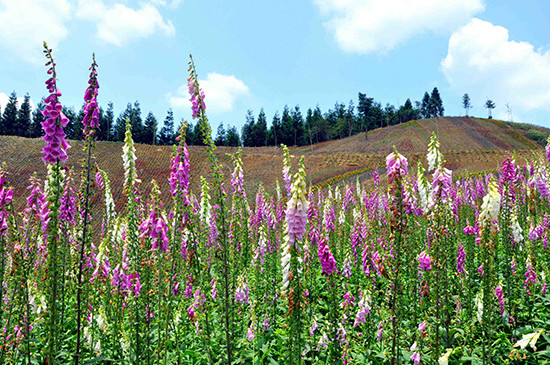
(106, 121)
(37, 119)
(166, 136)
(9, 117)
(220, 135)
(23, 124)
(73, 130)
(273, 135)
(365, 115)
(298, 126)
(286, 132)
(248, 129)
(137, 123)
(466, 103)
(149, 132)
(425, 106)
(436, 104)
(321, 125)
(490, 105)
(120, 126)
(260, 130)
(232, 137)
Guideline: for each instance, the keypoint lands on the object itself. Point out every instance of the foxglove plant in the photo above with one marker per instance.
(90, 123)
(296, 219)
(54, 154)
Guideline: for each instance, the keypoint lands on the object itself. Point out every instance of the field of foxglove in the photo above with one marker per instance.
(424, 270)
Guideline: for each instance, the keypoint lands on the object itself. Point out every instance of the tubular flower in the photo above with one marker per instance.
(197, 97)
(179, 173)
(396, 164)
(237, 178)
(54, 136)
(425, 261)
(500, 297)
(364, 310)
(548, 149)
(460, 258)
(328, 263)
(517, 232)
(285, 259)
(129, 157)
(529, 339)
(509, 170)
(491, 204)
(435, 158)
(442, 181)
(286, 169)
(426, 199)
(91, 110)
(6, 196)
(297, 206)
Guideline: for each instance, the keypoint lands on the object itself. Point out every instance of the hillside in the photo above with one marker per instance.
(470, 144)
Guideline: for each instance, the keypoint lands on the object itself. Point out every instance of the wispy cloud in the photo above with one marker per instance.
(222, 91)
(119, 24)
(485, 63)
(365, 26)
(25, 24)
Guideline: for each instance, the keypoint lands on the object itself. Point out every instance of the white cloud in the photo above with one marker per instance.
(167, 3)
(4, 98)
(484, 63)
(118, 23)
(365, 26)
(25, 24)
(221, 93)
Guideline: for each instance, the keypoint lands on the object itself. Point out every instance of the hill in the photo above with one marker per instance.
(470, 144)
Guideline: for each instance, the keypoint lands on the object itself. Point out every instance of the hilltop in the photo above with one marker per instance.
(470, 144)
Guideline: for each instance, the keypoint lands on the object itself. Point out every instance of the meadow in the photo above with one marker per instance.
(419, 268)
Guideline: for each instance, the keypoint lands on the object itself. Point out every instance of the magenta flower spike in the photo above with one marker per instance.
(56, 146)
(91, 109)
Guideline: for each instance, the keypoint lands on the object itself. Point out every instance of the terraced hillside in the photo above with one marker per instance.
(469, 144)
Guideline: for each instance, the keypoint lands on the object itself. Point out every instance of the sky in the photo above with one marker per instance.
(268, 54)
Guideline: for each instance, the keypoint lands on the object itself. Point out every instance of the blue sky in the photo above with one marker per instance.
(254, 54)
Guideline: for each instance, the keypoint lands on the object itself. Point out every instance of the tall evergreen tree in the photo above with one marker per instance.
(106, 121)
(364, 107)
(232, 137)
(309, 126)
(466, 103)
(189, 136)
(220, 135)
(260, 130)
(390, 115)
(166, 136)
(23, 124)
(425, 106)
(274, 131)
(137, 123)
(72, 130)
(149, 132)
(9, 117)
(37, 119)
(436, 104)
(248, 129)
(321, 125)
(120, 125)
(198, 140)
(286, 132)
(298, 126)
